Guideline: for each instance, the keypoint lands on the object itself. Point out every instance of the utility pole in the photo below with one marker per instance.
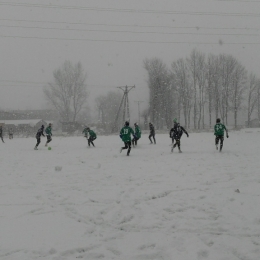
(125, 104)
(139, 115)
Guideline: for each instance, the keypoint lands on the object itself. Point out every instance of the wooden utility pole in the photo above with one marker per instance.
(125, 104)
(139, 115)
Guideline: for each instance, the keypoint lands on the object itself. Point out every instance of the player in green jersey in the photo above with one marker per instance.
(92, 137)
(125, 135)
(137, 134)
(219, 130)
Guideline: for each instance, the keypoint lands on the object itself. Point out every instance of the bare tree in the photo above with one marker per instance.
(201, 80)
(100, 104)
(159, 83)
(168, 95)
(183, 86)
(216, 93)
(253, 86)
(68, 93)
(227, 68)
(193, 66)
(258, 101)
(212, 68)
(237, 89)
(107, 106)
(145, 115)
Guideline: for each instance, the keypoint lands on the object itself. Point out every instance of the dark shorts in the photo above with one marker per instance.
(91, 138)
(219, 138)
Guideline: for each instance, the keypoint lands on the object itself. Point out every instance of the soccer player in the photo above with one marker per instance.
(137, 134)
(92, 136)
(48, 134)
(85, 132)
(152, 133)
(1, 133)
(38, 136)
(172, 131)
(11, 133)
(125, 135)
(176, 134)
(219, 129)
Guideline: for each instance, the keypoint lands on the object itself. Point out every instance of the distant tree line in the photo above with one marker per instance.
(197, 89)
(199, 85)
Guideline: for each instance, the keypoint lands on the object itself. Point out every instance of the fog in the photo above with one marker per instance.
(111, 39)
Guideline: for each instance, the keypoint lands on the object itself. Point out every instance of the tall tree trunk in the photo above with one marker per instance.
(258, 102)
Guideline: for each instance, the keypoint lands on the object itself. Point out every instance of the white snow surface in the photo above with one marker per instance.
(102, 204)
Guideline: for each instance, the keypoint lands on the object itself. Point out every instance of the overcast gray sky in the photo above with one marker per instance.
(111, 38)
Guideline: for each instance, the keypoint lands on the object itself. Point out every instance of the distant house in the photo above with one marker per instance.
(71, 127)
(23, 127)
(253, 123)
(29, 114)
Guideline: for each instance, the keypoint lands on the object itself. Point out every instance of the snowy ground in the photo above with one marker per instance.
(151, 205)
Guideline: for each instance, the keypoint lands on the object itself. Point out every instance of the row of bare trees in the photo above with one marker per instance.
(200, 86)
(197, 88)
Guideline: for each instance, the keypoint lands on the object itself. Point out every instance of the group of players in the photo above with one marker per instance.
(176, 133)
(89, 134)
(127, 133)
(130, 136)
(40, 132)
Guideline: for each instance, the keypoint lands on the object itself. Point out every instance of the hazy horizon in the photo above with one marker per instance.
(111, 39)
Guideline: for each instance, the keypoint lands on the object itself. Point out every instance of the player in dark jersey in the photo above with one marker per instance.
(48, 132)
(152, 133)
(176, 134)
(1, 133)
(38, 136)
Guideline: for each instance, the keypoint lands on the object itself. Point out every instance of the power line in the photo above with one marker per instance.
(238, 1)
(82, 8)
(134, 25)
(24, 82)
(133, 32)
(19, 82)
(131, 41)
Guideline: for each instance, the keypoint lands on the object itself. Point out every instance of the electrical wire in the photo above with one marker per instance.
(40, 84)
(132, 32)
(131, 41)
(134, 25)
(142, 11)
(245, 1)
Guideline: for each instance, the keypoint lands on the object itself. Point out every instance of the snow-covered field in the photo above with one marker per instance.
(151, 205)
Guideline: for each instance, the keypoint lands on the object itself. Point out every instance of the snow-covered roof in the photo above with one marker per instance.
(31, 122)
